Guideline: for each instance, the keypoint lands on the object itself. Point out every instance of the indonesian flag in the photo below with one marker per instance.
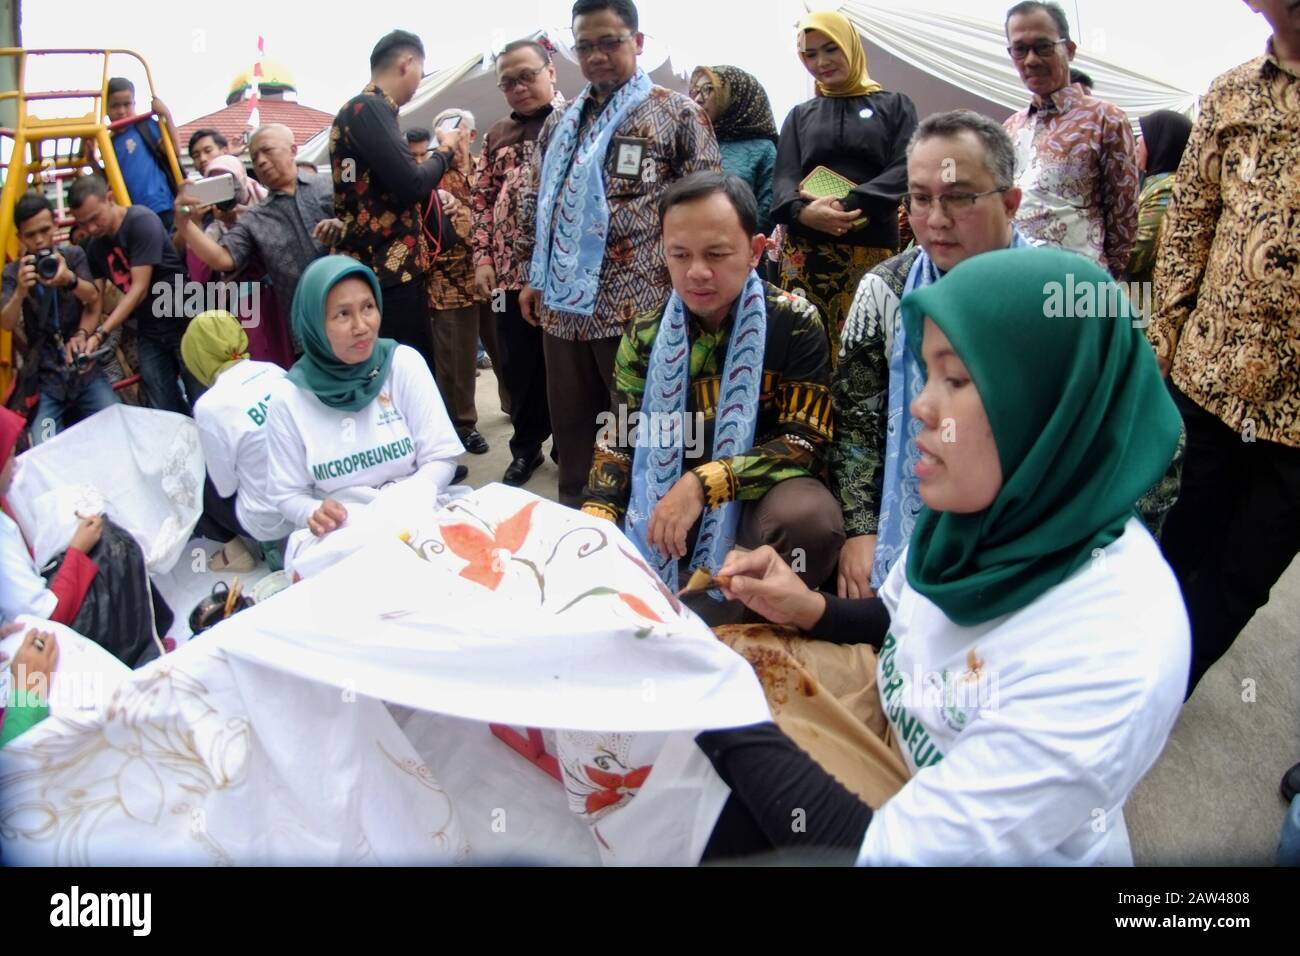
(255, 95)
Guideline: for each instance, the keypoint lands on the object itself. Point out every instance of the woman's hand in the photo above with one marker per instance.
(87, 534)
(34, 663)
(764, 583)
(826, 215)
(328, 517)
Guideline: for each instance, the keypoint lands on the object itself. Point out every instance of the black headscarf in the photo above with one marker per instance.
(746, 111)
(1165, 133)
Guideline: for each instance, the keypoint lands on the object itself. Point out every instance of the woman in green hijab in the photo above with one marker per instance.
(1033, 645)
(364, 411)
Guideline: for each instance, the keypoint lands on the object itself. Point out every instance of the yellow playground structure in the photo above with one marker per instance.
(42, 150)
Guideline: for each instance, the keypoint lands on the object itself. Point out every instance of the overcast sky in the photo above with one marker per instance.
(194, 49)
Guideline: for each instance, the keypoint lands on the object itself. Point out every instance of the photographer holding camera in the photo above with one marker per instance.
(59, 303)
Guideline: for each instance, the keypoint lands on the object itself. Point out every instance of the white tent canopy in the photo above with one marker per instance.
(945, 61)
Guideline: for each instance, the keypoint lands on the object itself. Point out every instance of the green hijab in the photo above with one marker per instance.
(1083, 423)
(319, 371)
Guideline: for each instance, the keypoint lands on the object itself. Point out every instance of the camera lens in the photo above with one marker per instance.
(47, 267)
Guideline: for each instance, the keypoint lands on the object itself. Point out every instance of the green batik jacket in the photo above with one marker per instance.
(860, 393)
(794, 424)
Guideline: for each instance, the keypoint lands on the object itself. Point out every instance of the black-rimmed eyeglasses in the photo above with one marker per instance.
(1042, 49)
(522, 78)
(606, 45)
(953, 205)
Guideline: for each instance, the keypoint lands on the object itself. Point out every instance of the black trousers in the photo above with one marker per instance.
(1233, 532)
(406, 318)
(523, 371)
(219, 521)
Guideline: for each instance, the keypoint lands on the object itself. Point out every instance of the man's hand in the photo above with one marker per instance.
(449, 202)
(485, 281)
(329, 231)
(187, 208)
(27, 277)
(826, 215)
(764, 583)
(856, 558)
(528, 301)
(455, 138)
(87, 534)
(74, 346)
(328, 517)
(675, 515)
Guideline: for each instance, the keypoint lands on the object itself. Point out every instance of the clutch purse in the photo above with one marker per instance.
(823, 182)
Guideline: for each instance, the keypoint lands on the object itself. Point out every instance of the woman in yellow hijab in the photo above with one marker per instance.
(230, 417)
(853, 136)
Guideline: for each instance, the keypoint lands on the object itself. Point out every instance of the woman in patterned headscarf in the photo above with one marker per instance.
(860, 131)
(742, 119)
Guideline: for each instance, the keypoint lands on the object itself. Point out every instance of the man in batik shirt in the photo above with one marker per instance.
(626, 140)
(1076, 158)
(718, 307)
(502, 180)
(1227, 320)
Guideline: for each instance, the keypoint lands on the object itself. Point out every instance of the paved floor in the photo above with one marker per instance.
(1213, 796)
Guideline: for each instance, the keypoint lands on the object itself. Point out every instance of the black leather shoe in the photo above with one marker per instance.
(475, 444)
(461, 472)
(1291, 783)
(521, 469)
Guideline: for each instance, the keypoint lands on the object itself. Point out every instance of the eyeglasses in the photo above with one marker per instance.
(1042, 49)
(954, 205)
(702, 92)
(523, 78)
(606, 45)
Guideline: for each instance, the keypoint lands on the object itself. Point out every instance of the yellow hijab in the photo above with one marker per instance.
(213, 342)
(838, 28)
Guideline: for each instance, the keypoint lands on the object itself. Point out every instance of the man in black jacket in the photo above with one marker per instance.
(380, 190)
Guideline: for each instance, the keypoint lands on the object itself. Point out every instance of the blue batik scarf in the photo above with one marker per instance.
(571, 243)
(901, 501)
(657, 460)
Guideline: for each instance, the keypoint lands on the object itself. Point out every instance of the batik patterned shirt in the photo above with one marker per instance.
(677, 140)
(1076, 161)
(794, 423)
(1228, 270)
(451, 274)
(502, 185)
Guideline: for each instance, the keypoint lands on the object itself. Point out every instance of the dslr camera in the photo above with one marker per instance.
(47, 264)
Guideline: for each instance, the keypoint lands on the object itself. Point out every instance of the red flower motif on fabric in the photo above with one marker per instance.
(615, 788)
(488, 554)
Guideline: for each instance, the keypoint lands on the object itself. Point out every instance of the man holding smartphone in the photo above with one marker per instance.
(380, 190)
(51, 288)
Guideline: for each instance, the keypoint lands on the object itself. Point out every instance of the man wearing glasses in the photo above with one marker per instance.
(1076, 159)
(593, 235)
(502, 185)
(962, 202)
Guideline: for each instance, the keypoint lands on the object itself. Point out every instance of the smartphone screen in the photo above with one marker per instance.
(451, 122)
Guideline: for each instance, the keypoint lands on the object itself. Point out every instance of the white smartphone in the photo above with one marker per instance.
(213, 189)
(450, 122)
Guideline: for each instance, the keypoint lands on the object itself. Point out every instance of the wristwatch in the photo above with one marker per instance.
(72, 286)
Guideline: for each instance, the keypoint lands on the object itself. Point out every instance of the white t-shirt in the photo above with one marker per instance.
(22, 589)
(318, 452)
(230, 416)
(1026, 734)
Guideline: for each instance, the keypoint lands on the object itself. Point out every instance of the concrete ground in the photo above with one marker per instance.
(1212, 798)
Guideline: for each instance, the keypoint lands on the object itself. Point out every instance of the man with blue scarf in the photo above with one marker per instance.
(599, 171)
(722, 414)
(961, 201)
